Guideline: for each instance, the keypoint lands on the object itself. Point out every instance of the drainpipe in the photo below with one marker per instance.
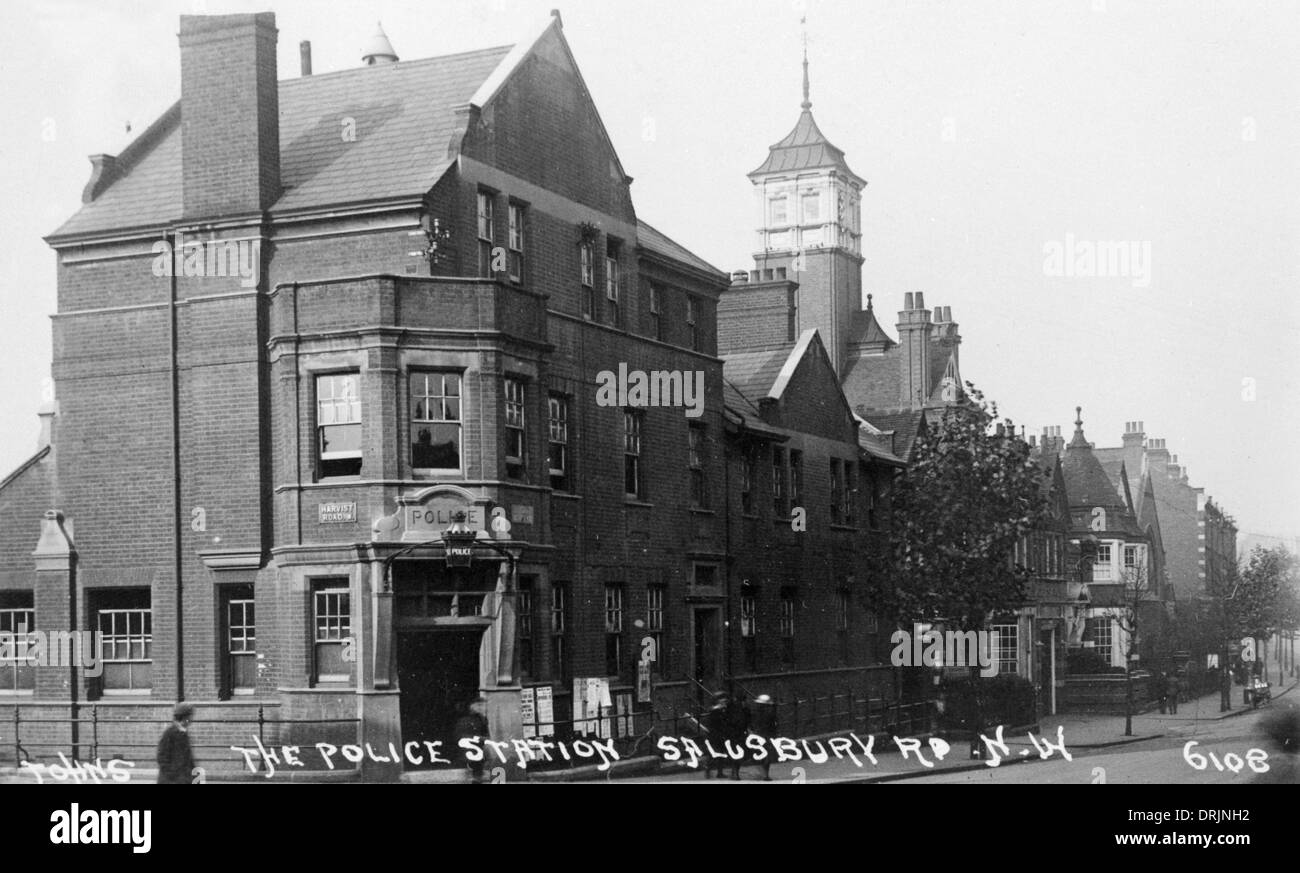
(729, 559)
(177, 530)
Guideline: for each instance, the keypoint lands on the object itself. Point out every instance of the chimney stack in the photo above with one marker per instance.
(230, 115)
(1134, 434)
(304, 55)
(914, 331)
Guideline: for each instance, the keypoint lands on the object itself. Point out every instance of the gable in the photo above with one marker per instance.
(538, 122)
(809, 392)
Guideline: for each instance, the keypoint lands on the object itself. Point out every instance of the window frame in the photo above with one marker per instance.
(336, 400)
(633, 450)
(143, 639)
(458, 423)
(337, 622)
(696, 453)
(557, 436)
(560, 655)
(20, 677)
(787, 625)
(614, 628)
(655, 612)
(780, 488)
(485, 230)
(514, 404)
(516, 240)
(1000, 656)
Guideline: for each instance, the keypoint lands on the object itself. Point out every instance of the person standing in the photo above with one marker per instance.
(473, 725)
(764, 725)
(715, 725)
(175, 756)
(1171, 691)
(734, 732)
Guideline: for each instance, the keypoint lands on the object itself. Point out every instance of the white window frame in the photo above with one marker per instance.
(139, 645)
(1007, 654)
(337, 410)
(514, 402)
(335, 628)
(516, 216)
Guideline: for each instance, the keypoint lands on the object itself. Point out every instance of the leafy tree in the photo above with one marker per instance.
(1139, 595)
(1264, 600)
(969, 494)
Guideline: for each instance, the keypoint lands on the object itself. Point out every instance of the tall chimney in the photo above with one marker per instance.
(230, 115)
(914, 330)
(304, 55)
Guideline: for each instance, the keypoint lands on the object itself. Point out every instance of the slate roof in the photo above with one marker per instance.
(652, 240)
(754, 373)
(804, 148)
(403, 120)
(904, 427)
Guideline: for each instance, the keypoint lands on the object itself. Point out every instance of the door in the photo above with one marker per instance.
(706, 667)
(437, 674)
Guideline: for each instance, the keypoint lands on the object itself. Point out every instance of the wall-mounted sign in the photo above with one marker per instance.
(336, 513)
(436, 515)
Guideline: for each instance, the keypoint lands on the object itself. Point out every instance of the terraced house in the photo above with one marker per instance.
(326, 441)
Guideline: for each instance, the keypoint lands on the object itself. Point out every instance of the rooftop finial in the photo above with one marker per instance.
(807, 103)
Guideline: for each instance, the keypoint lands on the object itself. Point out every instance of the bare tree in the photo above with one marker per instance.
(1138, 590)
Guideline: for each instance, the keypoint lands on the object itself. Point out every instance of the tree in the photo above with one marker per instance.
(1263, 604)
(1139, 589)
(970, 493)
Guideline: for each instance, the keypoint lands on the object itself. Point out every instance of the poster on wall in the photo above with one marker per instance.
(545, 709)
(528, 711)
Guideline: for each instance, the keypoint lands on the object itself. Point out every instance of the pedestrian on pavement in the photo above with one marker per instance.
(737, 728)
(472, 724)
(715, 724)
(764, 725)
(175, 756)
(1171, 692)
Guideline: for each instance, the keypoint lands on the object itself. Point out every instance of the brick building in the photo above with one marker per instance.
(295, 467)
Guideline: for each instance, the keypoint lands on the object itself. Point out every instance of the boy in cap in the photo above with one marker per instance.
(175, 757)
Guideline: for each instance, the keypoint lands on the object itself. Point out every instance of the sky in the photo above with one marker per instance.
(998, 139)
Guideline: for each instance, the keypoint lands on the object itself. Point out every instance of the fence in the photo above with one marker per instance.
(118, 735)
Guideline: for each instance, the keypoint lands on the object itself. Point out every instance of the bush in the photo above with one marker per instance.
(1087, 662)
(1007, 700)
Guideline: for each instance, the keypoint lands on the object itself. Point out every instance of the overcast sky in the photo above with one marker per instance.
(990, 133)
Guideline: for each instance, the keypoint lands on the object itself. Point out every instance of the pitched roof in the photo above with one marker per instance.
(754, 373)
(865, 329)
(903, 427)
(804, 148)
(655, 241)
(404, 120)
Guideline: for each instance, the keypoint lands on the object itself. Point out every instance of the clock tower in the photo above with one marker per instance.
(810, 228)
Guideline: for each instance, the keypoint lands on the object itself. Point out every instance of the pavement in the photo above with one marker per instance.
(843, 757)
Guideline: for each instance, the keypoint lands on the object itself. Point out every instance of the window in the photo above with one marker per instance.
(1007, 651)
(17, 617)
(338, 424)
(633, 486)
(779, 504)
(850, 493)
(747, 480)
(613, 629)
(240, 634)
(787, 625)
(837, 491)
(1102, 638)
(587, 255)
(524, 617)
(695, 462)
(656, 321)
(124, 618)
(516, 432)
(332, 620)
(436, 417)
(515, 260)
(842, 623)
(749, 629)
(812, 207)
(777, 212)
(1131, 561)
(655, 624)
(486, 233)
(796, 477)
(613, 281)
(559, 631)
(557, 454)
(1101, 567)
(692, 321)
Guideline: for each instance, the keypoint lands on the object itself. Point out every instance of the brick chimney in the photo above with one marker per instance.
(230, 115)
(914, 329)
(1134, 434)
(1157, 457)
(1053, 442)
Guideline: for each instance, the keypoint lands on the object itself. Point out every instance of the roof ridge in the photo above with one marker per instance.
(414, 62)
